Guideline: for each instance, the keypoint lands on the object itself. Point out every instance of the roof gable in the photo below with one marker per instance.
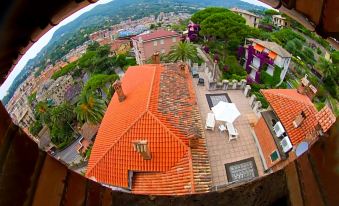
(120, 116)
(166, 115)
(166, 150)
(288, 104)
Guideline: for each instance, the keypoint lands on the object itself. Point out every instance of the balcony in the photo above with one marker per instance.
(256, 62)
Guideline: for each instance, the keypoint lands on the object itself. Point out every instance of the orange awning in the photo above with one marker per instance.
(272, 55)
(259, 48)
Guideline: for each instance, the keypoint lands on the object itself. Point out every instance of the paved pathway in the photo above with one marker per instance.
(208, 62)
(119, 72)
(69, 154)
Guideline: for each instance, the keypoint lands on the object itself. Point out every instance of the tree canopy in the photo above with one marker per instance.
(284, 35)
(201, 15)
(222, 24)
(98, 81)
(271, 12)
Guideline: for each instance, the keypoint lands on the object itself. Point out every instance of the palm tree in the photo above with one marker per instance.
(90, 109)
(182, 52)
(43, 112)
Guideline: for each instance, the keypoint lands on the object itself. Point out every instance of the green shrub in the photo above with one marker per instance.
(276, 76)
(257, 87)
(319, 51)
(265, 78)
(35, 128)
(319, 105)
(235, 71)
(261, 98)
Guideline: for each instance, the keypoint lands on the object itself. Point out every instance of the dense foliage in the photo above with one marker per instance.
(284, 35)
(60, 125)
(98, 81)
(90, 108)
(183, 51)
(35, 128)
(232, 69)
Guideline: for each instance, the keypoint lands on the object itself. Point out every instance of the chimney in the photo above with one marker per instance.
(118, 89)
(299, 119)
(193, 141)
(182, 66)
(311, 91)
(303, 86)
(156, 58)
(141, 147)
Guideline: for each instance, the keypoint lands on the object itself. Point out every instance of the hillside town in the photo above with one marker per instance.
(174, 104)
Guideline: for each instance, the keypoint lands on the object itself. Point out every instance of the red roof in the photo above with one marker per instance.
(159, 107)
(157, 34)
(288, 104)
(326, 118)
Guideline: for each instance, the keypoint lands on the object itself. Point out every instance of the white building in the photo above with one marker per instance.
(280, 21)
(276, 53)
(252, 20)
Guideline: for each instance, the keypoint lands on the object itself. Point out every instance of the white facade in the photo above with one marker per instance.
(277, 54)
(280, 21)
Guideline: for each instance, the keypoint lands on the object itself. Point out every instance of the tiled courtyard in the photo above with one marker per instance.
(221, 151)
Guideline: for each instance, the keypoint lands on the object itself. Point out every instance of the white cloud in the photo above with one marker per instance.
(36, 48)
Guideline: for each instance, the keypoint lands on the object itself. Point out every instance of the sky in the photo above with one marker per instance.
(36, 48)
(258, 3)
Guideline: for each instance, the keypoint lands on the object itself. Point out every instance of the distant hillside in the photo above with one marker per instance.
(105, 15)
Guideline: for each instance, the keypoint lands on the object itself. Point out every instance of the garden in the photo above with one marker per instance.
(221, 33)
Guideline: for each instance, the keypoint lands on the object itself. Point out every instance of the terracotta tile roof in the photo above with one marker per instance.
(161, 33)
(272, 46)
(288, 104)
(160, 107)
(325, 118)
(118, 42)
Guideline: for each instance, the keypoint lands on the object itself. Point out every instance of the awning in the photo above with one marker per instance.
(272, 55)
(259, 48)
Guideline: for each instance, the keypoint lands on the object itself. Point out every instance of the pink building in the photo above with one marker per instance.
(145, 45)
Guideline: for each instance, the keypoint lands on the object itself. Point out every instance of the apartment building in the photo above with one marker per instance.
(252, 20)
(145, 45)
(280, 21)
(275, 56)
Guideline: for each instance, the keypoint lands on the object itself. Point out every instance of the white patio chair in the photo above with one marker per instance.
(222, 128)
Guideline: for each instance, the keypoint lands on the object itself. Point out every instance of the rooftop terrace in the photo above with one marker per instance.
(221, 151)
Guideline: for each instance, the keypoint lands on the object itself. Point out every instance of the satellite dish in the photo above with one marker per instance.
(301, 148)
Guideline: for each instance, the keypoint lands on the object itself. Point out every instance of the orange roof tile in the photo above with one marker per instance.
(259, 48)
(326, 118)
(161, 33)
(288, 104)
(160, 107)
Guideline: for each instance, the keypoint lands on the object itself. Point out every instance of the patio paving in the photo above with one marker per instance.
(221, 151)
